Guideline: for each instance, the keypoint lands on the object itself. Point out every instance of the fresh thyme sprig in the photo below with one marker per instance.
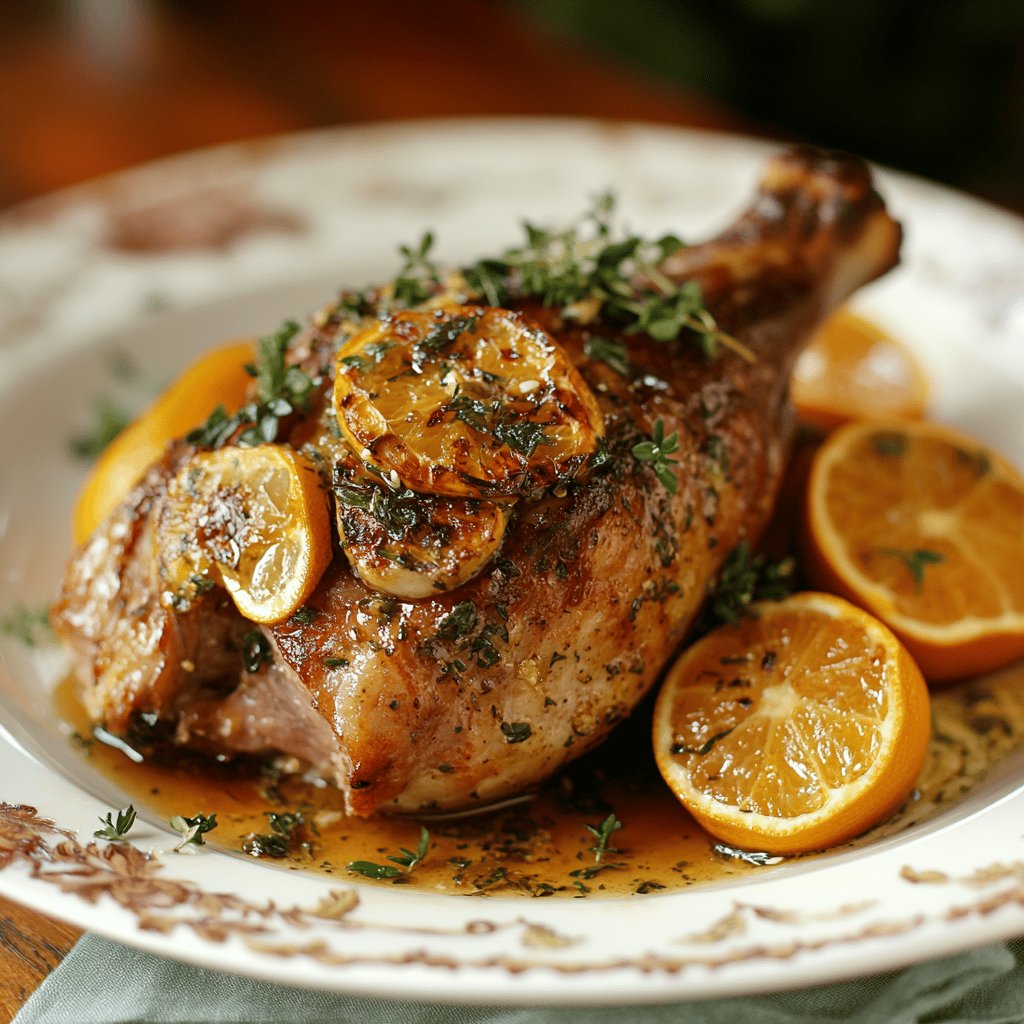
(742, 580)
(114, 831)
(405, 859)
(656, 452)
(280, 390)
(590, 273)
(602, 833)
(192, 829)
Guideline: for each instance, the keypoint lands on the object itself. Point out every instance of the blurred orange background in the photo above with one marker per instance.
(90, 86)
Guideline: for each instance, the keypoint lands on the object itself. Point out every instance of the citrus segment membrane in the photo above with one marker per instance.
(255, 520)
(464, 401)
(924, 527)
(795, 730)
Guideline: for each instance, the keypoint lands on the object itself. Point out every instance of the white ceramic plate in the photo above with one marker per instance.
(162, 262)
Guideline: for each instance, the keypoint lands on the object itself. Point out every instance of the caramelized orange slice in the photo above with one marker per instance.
(924, 527)
(795, 730)
(854, 370)
(218, 378)
(255, 520)
(464, 401)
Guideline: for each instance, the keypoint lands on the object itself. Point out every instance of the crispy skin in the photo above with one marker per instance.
(594, 590)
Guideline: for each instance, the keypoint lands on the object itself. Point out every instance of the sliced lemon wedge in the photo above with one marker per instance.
(255, 520)
(465, 402)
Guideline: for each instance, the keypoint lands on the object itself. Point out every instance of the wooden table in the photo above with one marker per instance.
(87, 89)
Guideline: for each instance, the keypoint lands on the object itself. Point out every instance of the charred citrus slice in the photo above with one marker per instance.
(795, 730)
(465, 401)
(923, 527)
(257, 519)
(854, 370)
(415, 545)
(218, 378)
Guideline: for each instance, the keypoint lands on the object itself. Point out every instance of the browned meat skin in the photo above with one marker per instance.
(597, 589)
(593, 591)
(134, 656)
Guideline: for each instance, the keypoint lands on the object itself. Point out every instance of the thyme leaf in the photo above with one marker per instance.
(516, 732)
(742, 580)
(278, 842)
(281, 389)
(602, 833)
(192, 829)
(405, 859)
(114, 831)
(655, 453)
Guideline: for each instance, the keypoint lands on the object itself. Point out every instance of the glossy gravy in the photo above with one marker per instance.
(541, 846)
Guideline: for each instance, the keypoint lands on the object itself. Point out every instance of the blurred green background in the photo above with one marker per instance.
(931, 86)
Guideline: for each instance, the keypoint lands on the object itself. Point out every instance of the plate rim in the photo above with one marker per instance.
(53, 203)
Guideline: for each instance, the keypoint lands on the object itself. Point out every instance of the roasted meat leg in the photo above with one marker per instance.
(470, 695)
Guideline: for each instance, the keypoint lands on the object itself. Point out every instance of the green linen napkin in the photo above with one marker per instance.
(102, 982)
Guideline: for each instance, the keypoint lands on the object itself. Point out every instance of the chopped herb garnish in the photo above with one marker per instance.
(521, 435)
(916, 561)
(31, 626)
(335, 662)
(306, 614)
(516, 732)
(743, 580)
(192, 829)
(281, 389)
(406, 859)
(655, 453)
(111, 419)
(114, 831)
(584, 267)
(279, 841)
(458, 622)
(256, 650)
(446, 334)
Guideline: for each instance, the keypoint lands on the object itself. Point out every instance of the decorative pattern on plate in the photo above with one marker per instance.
(92, 272)
(133, 879)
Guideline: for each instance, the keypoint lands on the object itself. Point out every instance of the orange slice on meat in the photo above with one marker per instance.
(923, 527)
(796, 730)
(217, 378)
(464, 401)
(254, 519)
(854, 370)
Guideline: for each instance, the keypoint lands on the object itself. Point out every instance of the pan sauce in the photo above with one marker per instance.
(541, 846)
